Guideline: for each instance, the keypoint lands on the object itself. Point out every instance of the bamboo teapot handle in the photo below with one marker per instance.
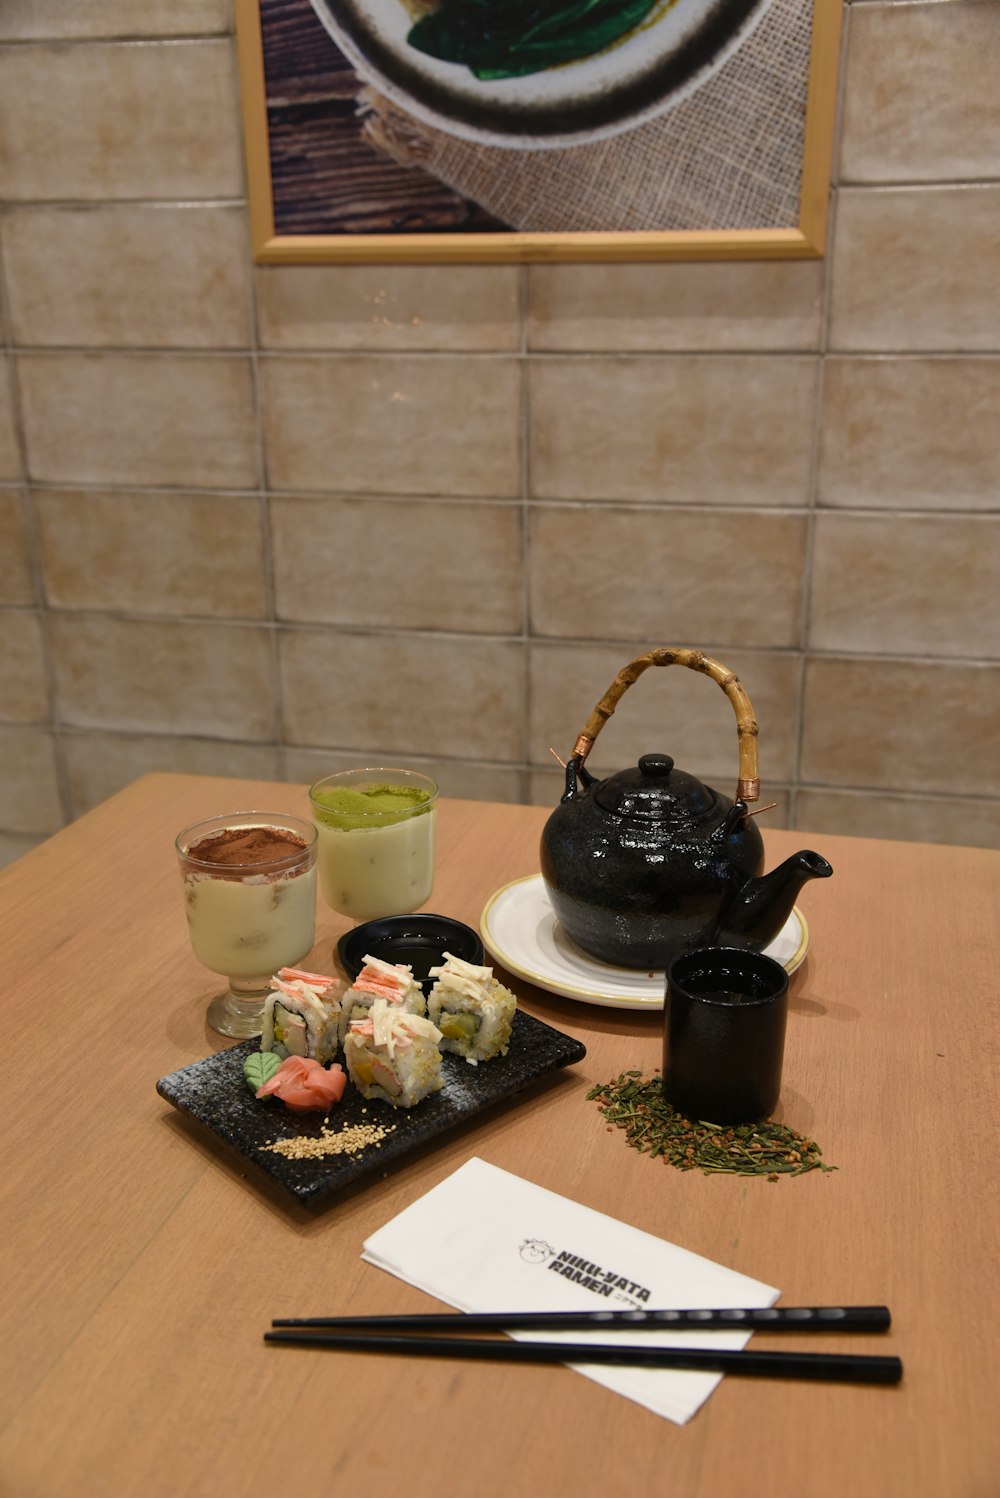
(748, 785)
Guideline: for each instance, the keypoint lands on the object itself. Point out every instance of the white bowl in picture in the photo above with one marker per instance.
(671, 51)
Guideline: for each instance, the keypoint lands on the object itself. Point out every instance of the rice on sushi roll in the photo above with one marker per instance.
(472, 1009)
(392, 981)
(393, 1055)
(302, 1015)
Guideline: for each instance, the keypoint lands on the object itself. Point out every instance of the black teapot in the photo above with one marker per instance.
(651, 863)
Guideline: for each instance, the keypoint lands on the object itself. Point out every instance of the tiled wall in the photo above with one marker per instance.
(276, 521)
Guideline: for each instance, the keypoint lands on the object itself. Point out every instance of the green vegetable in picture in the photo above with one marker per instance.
(511, 38)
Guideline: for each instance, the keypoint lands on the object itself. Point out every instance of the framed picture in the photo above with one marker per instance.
(538, 130)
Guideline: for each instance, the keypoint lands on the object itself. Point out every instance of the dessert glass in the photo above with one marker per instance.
(249, 882)
(376, 840)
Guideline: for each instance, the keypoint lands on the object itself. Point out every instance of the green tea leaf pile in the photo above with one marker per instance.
(654, 1128)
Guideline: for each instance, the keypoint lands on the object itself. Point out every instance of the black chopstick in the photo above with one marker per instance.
(757, 1318)
(841, 1367)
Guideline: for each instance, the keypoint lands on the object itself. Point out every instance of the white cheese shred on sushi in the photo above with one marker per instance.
(393, 1055)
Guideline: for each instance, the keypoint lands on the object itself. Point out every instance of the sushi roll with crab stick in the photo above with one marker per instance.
(393, 1056)
(302, 1015)
(472, 1009)
(392, 981)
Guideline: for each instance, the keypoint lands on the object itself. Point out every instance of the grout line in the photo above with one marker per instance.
(816, 436)
(349, 630)
(653, 505)
(124, 39)
(27, 508)
(264, 522)
(524, 292)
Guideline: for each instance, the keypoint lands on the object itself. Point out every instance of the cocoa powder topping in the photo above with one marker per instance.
(259, 846)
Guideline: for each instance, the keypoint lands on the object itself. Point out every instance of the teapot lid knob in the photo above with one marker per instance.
(656, 765)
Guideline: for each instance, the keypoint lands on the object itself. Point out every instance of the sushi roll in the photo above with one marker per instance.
(473, 1011)
(393, 1055)
(392, 981)
(302, 1015)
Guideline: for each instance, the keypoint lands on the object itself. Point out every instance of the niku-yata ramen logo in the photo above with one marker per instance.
(580, 1271)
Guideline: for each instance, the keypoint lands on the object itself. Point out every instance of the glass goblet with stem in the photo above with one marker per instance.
(249, 883)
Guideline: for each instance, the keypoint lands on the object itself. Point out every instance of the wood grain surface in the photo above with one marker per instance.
(326, 177)
(143, 1261)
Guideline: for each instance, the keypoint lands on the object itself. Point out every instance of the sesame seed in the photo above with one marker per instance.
(348, 1141)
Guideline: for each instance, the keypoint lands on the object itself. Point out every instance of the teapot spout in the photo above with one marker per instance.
(760, 909)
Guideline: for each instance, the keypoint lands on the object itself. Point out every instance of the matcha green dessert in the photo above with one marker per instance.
(348, 807)
(375, 841)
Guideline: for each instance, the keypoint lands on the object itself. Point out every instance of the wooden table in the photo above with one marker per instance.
(143, 1263)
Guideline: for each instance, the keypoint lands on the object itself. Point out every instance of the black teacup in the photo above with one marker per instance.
(724, 1034)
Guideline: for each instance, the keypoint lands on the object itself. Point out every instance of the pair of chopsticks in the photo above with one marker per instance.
(418, 1336)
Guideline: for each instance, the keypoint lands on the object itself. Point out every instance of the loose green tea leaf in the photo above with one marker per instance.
(654, 1127)
(511, 38)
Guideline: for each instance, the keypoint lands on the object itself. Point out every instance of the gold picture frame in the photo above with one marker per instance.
(805, 239)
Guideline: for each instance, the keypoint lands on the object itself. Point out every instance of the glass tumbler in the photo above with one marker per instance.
(376, 840)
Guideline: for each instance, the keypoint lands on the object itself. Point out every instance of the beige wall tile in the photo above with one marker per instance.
(396, 307)
(15, 845)
(916, 268)
(43, 20)
(398, 565)
(10, 452)
(29, 785)
(918, 819)
(153, 553)
(16, 584)
(125, 120)
(99, 276)
(911, 433)
(204, 679)
(546, 788)
(906, 585)
(752, 305)
(24, 687)
(392, 425)
(467, 782)
(139, 419)
(906, 118)
(403, 695)
(728, 430)
(99, 764)
(630, 574)
(672, 710)
(901, 726)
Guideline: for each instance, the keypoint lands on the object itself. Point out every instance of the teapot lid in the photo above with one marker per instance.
(654, 791)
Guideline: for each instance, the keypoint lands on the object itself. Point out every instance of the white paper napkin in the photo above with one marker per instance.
(485, 1240)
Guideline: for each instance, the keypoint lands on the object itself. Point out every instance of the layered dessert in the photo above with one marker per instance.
(250, 897)
(376, 842)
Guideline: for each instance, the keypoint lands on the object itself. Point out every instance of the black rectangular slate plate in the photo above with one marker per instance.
(214, 1092)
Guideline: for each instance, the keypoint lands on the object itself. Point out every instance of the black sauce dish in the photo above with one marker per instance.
(420, 940)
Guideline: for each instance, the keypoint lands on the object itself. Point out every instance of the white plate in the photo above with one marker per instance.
(519, 928)
(670, 54)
